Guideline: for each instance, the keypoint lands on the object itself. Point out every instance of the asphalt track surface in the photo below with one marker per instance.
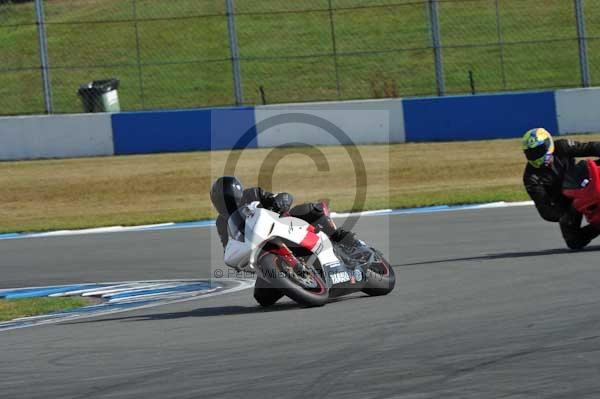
(488, 305)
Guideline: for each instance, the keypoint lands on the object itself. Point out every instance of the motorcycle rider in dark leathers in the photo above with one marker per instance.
(227, 195)
(548, 161)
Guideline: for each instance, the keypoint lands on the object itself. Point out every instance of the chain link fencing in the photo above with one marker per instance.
(189, 53)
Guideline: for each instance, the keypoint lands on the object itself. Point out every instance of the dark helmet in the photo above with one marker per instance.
(226, 194)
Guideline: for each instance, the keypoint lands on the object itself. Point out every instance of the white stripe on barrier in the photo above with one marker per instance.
(55, 136)
(363, 121)
(577, 110)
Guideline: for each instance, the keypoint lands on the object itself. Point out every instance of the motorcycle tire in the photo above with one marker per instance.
(381, 279)
(265, 294)
(272, 272)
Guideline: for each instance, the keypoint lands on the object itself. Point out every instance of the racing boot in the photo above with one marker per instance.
(346, 238)
(317, 214)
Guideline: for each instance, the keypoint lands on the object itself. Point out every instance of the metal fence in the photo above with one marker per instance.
(192, 53)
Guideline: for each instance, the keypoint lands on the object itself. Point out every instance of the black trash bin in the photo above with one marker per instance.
(100, 96)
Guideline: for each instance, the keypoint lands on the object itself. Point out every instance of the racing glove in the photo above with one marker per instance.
(282, 202)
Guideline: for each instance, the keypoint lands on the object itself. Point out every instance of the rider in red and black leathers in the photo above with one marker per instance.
(227, 195)
(544, 186)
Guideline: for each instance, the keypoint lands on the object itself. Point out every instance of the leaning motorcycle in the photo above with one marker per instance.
(292, 258)
(582, 185)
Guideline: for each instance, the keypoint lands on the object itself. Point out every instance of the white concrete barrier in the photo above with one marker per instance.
(360, 122)
(578, 110)
(55, 136)
(363, 122)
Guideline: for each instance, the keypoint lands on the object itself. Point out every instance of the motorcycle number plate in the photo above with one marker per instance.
(339, 277)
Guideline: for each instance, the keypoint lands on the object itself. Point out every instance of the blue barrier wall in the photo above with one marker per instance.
(478, 117)
(183, 130)
(233, 128)
(450, 118)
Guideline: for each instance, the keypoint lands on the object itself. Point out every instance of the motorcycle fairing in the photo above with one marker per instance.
(583, 186)
(262, 225)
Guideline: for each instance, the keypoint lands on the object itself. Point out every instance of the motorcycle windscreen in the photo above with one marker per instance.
(236, 226)
(575, 178)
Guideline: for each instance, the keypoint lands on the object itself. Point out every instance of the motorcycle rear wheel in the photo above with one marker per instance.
(381, 279)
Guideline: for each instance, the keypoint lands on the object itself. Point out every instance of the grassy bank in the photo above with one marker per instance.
(176, 54)
(13, 308)
(89, 192)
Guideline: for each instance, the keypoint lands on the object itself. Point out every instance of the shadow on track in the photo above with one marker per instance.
(504, 255)
(214, 311)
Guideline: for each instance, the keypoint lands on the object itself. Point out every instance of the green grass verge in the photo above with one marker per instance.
(540, 50)
(13, 308)
(143, 189)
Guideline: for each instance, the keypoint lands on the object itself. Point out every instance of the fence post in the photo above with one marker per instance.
(137, 53)
(43, 50)
(434, 24)
(582, 39)
(334, 47)
(500, 44)
(235, 57)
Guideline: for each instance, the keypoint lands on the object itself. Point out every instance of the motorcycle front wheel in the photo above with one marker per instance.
(265, 294)
(307, 288)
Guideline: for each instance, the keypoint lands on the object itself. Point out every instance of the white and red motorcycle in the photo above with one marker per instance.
(291, 258)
